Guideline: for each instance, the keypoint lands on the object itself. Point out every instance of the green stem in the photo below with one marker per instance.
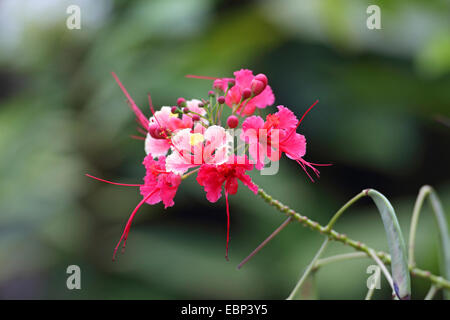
(308, 270)
(442, 227)
(431, 292)
(339, 257)
(338, 214)
(357, 245)
(384, 269)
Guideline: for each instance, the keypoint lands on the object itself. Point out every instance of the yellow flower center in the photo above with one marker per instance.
(196, 138)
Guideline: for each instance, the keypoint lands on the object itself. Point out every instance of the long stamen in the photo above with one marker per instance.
(142, 118)
(201, 77)
(140, 130)
(137, 137)
(115, 183)
(306, 112)
(228, 224)
(300, 121)
(150, 103)
(321, 164)
(304, 169)
(128, 225)
(303, 163)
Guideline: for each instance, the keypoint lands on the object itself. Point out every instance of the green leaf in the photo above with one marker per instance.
(397, 248)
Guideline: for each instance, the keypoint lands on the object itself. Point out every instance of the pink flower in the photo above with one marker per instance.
(158, 186)
(245, 80)
(161, 126)
(275, 136)
(161, 184)
(191, 149)
(213, 177)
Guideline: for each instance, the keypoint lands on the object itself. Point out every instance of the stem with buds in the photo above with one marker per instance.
(331, 234)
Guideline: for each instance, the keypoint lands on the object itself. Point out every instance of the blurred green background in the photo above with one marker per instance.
(382, 121)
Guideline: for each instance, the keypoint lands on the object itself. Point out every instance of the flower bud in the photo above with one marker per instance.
(246, 93)
(174, 109)
(221, 100)
(257, 86)
(181, 102)
(218, 83)
(262, 77)
(231, 83)
(211, 93)
(186, 110)
(195, 117)
(232, 121)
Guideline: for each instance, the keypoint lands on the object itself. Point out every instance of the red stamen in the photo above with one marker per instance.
(306, 112)
(201, 77)
(228, 224)
(137, 137)
(115, 183)
(303, 163)
(142, 118)
(300, 121)
(304, 169)
(128, 225)
(139, 129)
(150, 103)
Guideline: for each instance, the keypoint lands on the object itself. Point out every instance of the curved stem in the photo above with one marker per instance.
(338, 214)
(339, 257)
(357, 245)
(442, 227)
(424, 191)
(308, 270)
(383, 268)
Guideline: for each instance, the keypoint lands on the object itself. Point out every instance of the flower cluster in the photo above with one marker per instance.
(198, 136)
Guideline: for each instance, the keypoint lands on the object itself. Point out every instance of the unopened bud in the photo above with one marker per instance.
(181, 102)
(246, 93)
(262, 77)
(195, 117)
(174, 109)
(257, 86)
(232, 121)
(221, 99)
(218, 83)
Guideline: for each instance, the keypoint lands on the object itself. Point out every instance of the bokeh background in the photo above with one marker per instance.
(382, 120)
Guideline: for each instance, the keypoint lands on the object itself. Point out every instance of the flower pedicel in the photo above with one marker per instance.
(189, 138)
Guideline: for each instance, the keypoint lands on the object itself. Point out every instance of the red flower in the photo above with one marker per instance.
(212, 178)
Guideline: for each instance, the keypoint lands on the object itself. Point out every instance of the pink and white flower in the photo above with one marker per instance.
(191, 149)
